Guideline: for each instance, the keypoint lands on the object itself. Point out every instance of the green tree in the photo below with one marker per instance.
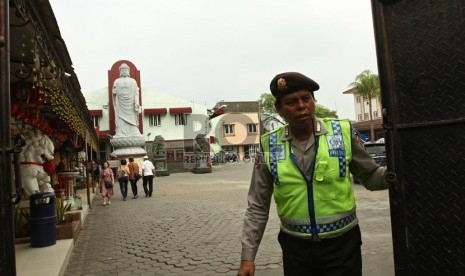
(267, 103)
(366, 84)
(267, 107)
(324, 112)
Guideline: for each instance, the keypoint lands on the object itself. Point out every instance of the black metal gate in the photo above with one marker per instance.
(421, 60)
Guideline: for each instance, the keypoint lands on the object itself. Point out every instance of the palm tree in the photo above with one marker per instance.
(366, 84)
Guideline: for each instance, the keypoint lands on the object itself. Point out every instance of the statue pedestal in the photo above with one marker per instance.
(161, 166)
(70, 179)
(128, 152)
(201, 165)
(131, 146)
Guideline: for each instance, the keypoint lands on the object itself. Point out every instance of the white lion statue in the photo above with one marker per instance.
(38, 149)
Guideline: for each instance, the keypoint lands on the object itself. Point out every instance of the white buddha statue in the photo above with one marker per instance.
(126, 104)
(127, 139)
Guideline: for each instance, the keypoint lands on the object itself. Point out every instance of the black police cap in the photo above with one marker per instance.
(290, 82)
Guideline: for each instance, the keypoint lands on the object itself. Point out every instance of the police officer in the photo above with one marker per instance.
(306, 166)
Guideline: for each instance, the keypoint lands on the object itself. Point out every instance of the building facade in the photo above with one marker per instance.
(237, 131)
(362, 114)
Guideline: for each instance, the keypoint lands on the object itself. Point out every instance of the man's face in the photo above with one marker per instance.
(297, 108)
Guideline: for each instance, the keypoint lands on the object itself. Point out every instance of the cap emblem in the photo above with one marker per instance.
(282, 84)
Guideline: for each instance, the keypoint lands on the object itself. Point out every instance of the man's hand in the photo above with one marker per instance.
(247, 268)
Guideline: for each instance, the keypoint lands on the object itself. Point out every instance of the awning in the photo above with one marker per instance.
(96, 113)
(216, 113)
(360, 137)
(151, 111)
(178, 110)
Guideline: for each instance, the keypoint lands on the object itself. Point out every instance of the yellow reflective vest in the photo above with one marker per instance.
(324, 205)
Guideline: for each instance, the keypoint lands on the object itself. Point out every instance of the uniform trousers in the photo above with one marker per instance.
(340, 256)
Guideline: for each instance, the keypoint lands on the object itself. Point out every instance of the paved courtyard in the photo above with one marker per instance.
(193, 225)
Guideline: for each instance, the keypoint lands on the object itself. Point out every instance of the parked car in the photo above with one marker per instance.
(377, 151)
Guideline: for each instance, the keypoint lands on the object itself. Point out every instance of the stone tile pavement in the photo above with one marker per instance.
(192, 226)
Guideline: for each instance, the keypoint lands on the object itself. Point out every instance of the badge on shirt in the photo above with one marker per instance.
(277, 152)
(335, 145)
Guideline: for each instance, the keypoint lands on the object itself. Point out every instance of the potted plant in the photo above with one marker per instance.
(61, 208)
(63, 230)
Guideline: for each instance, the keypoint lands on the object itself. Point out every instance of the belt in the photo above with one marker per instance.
(316, 239)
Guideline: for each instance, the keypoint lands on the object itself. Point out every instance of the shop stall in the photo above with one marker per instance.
(43, 113)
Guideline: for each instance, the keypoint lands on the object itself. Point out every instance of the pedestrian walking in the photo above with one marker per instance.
(134, 176)
(306, 166)
(148, 173)
(107, 179)
(123, 178)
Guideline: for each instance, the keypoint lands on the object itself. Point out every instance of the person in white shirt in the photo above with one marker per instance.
(148, 173)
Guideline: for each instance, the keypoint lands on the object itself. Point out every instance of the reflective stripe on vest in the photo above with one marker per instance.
(323, 228)
(342, 159)
(274, 157)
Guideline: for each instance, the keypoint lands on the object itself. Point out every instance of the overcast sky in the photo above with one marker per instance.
(210, 50)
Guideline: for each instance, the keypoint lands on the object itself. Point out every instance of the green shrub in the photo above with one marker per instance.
(61, 208)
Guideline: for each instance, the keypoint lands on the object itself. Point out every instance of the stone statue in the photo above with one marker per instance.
(201, 144)
(127, 139)
(159, 158)
(158, 146)
(202, 152)
(126, 104)
(38, 149)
